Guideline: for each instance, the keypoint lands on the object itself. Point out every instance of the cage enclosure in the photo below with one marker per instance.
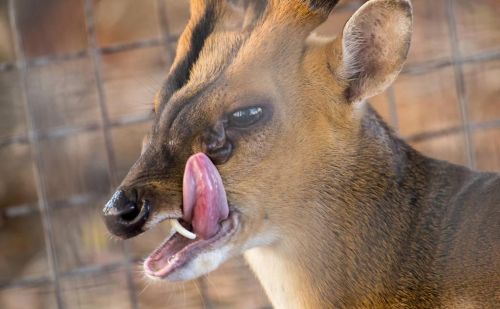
(77, 81)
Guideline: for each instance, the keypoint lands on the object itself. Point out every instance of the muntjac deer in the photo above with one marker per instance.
(263, 145)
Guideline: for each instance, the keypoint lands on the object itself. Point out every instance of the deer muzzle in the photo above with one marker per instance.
(204, 204)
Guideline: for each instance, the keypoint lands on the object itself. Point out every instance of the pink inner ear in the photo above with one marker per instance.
(204, 198)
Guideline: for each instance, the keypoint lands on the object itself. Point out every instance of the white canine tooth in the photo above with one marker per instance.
(182, 230)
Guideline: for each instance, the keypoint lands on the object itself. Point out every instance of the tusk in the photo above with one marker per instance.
(182, 230)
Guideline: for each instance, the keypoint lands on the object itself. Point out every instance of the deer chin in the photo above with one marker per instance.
(180, 258)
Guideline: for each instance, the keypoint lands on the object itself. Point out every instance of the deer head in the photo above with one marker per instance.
(255, 139)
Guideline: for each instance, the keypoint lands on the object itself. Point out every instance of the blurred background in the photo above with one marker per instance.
(77, 78)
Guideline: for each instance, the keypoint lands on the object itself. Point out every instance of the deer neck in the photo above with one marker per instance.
(348, 253)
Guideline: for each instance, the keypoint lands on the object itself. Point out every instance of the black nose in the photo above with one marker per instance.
(125, 214)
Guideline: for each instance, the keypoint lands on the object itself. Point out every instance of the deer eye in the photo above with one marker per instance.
(245, 117)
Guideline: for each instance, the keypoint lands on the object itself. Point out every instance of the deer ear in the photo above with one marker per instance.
(375, 43)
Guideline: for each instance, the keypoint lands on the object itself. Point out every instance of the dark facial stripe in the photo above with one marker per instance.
(324, 5)
(180, 74)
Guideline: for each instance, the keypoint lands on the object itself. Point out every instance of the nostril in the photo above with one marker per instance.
(136, 214)
(129, 212)
(126, 213)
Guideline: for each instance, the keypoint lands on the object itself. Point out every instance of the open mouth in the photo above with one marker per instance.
(178, 250)
(206, 224)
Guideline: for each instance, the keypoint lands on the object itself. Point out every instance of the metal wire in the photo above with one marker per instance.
(95, 57)
(393, 113)
(35, 151)
(413, 69)
(460, 82)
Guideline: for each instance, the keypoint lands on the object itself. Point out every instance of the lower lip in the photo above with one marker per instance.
(191, 251)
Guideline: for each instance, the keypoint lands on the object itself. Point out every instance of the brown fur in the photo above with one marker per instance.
(336, 211)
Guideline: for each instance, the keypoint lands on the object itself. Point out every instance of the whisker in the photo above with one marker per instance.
(198, 288)
(148, 284)
(212, 284)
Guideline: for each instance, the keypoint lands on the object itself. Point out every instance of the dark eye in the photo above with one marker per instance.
(245, 117)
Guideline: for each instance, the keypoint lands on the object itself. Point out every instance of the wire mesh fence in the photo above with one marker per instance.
(76, 80)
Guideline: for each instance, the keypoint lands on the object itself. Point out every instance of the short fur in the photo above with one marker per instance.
(336, 211)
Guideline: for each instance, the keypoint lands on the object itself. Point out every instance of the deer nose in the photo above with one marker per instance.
(125, 215)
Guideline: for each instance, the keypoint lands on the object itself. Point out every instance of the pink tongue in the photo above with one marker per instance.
(204, 198)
